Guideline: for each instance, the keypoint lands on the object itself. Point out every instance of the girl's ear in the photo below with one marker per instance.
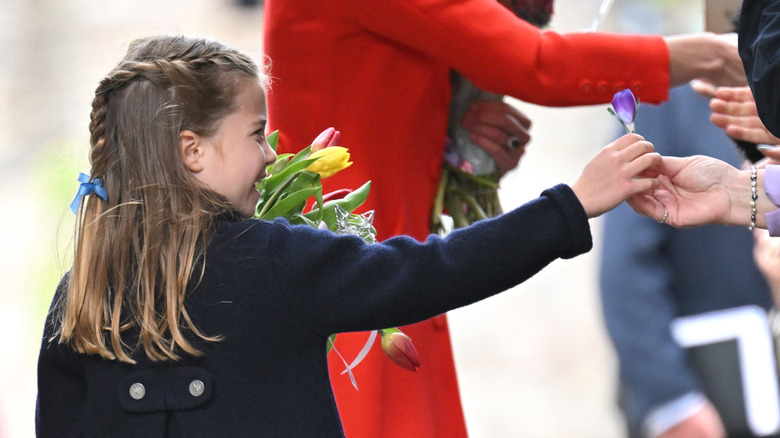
(191, 149)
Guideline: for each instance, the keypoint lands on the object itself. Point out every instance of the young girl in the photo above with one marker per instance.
(180, 317)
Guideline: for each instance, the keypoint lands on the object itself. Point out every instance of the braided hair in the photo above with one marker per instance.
(134, 254)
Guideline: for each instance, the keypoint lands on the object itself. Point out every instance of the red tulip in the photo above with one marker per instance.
(328, 137)
(336, 195)
(399, 348)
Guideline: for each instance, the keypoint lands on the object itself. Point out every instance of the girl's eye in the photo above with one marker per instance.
(259, 134)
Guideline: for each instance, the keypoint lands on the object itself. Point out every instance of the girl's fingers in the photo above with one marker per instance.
(625, 141)
(636, 150)
(639, 165)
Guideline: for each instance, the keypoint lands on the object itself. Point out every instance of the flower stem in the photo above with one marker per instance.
(267, 205)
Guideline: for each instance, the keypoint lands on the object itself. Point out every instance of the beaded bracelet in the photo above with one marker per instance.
(753, 196)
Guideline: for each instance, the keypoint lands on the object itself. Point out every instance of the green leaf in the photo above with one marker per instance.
(299, 219)
(273, 139)
(305, 180)
(273, 181)
(303, 154)
(286, 205)
(484, 181)
(387, 331)
(349, 203)
(279, 165)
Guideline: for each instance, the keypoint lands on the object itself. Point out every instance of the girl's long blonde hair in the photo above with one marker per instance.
(134, 255)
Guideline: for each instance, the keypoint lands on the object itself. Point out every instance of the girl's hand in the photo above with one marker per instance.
(734, 110)
(615, 173)
(492, 125)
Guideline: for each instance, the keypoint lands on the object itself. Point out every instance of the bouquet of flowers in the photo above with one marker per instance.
(293, 183)
(296, 178)
(468, 188)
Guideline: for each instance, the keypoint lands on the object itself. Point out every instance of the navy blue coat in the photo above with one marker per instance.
(652, 273)
(275, 293)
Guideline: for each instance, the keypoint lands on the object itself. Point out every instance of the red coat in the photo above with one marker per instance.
(378, 71)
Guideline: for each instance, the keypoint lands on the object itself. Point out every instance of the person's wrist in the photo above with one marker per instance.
(753, 196)
(740, 192)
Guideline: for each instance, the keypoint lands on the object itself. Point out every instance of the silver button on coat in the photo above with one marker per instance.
(137, 391)
(197, 387)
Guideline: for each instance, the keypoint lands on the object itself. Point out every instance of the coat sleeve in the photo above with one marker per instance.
(759, 48)
(346, 285)
(502, 53)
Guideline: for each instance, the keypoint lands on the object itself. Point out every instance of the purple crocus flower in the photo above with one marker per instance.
(624, 107)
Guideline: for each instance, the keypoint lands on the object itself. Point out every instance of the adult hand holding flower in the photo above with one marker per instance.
(499, 128)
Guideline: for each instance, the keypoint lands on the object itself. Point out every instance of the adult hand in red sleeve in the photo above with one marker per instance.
(712, 58)
(502, 130)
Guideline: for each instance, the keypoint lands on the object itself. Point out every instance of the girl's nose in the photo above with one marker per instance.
(270, 155)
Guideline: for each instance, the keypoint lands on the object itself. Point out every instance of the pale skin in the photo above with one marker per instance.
(232, 159)
(235, 157)
(701, 190)
(709, 57)
(706, 56)
(734, 111)
(705, 423)
(683, 193)
(491, 124)
(617, 172)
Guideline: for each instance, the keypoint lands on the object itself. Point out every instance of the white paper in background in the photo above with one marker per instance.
(748, 325)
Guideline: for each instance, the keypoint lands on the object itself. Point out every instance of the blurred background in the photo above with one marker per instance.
(534, 362)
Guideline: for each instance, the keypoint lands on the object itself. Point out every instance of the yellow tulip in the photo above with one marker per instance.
(330, 160)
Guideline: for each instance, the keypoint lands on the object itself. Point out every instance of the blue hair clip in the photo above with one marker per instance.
(88, 188)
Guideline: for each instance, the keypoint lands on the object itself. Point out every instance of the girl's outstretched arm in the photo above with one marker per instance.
(617, 172)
